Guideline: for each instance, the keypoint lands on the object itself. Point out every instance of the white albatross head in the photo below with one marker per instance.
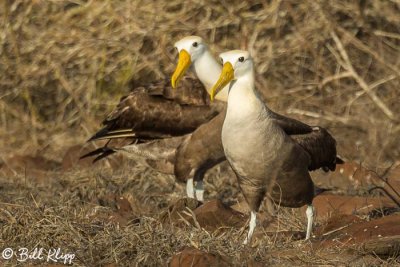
(190, 48)
(236, 64)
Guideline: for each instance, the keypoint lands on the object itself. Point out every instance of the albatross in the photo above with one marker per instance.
(265, 159)
(203, 148)
(155, 111)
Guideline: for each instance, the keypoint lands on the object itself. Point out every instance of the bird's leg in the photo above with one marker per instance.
(198, 177)
(199, 191)
(252, 226)
(189, 188)
(310, 219)
(270, 207)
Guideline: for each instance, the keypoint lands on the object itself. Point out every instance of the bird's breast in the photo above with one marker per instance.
(253, 140)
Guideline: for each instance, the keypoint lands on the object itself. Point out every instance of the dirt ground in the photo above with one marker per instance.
(65, 64)
(130, 214)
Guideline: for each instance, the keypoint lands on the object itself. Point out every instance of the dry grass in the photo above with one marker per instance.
(64, 64)
(72, 211)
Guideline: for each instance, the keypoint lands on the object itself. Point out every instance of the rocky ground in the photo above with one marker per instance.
(120, 212)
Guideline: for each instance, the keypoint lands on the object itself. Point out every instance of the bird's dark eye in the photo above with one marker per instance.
(241, 59)
(195, 44)
(221, 60)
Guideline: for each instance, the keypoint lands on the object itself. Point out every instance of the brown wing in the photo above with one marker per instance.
(291, 126)
(321, 147)
(190, 92)
(158, 111)
(319, 144)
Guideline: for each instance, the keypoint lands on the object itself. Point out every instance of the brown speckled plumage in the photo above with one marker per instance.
(157, 111)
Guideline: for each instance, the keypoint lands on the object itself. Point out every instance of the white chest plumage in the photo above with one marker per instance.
(249, 137)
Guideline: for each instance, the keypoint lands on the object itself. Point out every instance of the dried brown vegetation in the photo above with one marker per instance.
(64, 64)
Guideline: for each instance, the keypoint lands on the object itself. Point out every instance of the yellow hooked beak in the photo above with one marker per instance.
(226, 76)
(184, 62)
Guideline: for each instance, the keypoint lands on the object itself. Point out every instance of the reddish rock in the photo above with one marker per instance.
(123, 205)
(178, 213)
(214, 214)
(241, 206)
(327, 205)
(117, 209)
(211, 215)
(368, 234)
(365, 231)
(388, 246)
(115, 218)
(197, 258)
(350, 176)
(331, 257)
(394, 181)
(335, 223)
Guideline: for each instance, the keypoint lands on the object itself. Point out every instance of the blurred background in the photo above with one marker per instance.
(65, 64)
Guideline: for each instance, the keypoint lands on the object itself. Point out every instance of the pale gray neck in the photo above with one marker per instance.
(208, 70)
(244, 100)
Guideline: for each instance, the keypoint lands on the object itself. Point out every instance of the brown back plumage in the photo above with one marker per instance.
(157, 111)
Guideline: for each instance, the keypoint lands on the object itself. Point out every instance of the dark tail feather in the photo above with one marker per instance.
(339, 160)
(94, 152)
(103, 151)
(106, 134)
(100, 133)
(113, 136)
(332, 165)
(105, 154)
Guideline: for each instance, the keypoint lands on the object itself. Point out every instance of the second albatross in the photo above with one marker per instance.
(264, 158)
